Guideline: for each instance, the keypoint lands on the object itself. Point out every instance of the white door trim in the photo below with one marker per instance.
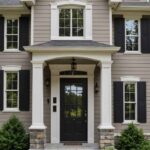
(55, 92)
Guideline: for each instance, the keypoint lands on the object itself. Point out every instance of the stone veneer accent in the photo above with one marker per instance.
(106, 138)
(37, 139)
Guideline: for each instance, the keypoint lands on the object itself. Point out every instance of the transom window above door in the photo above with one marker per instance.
(71, 22)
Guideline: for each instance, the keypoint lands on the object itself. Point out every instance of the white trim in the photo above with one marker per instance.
(10, 17)
(6, 109)
(130, 79)
(135, 102)
(11, 68)
(55, 92)
(139, 34)
(55, 19)
(32, 25)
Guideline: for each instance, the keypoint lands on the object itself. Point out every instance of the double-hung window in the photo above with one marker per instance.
(71, 22)
(11, 90)
(132, 38)
(12, 34)
(130, 101)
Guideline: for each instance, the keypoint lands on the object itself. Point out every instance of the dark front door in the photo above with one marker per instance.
(73, 110)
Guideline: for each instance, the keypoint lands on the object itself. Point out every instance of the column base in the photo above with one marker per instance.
(106, 138)
(37, 139)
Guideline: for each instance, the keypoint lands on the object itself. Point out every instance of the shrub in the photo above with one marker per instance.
(132, 138)
(13, 135)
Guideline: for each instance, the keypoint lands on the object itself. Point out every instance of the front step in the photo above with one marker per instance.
(84, 146)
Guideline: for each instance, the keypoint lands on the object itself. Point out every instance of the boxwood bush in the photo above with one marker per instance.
(132, 138)
(13, 135)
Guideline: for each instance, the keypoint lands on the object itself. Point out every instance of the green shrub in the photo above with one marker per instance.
(132, 138)
(13, 136)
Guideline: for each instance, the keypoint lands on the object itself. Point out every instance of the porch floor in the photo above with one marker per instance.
(72, 147)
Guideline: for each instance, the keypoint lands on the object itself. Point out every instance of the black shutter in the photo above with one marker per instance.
(1, 33)
(24, 30)
(119, 32)
(1, 89)
(24, 90)
(141, 101)
(145, 34)
(118, 102)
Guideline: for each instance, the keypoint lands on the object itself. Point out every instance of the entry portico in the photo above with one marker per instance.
(56, 50)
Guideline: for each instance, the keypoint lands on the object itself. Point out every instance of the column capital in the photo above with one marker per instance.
(106, 64)
(38, 64)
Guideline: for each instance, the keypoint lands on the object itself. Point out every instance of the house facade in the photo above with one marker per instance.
(75, 71)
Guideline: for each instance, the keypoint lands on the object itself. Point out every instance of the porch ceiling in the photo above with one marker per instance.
(72, 45)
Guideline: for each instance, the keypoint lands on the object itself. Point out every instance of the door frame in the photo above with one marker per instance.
(55, 70)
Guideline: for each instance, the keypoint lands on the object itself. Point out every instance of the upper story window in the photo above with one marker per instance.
(132, 38)
(71, 22)
(12, 34)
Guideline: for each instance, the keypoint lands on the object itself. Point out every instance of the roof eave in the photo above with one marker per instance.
(36, 49)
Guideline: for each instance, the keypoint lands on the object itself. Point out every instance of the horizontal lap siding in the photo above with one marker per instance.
(42, 22)
(101, 21)
(21, 59)
(133, 65)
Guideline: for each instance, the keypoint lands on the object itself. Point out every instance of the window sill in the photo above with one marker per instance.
(132, 52)
(11, 51)
(10, 111)
(130, 121)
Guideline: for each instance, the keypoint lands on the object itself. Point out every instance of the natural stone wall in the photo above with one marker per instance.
(106, 138)
(37, 139)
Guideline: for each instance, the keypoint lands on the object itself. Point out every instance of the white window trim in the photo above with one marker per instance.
(6, 70)
(55, 19)
(139, 36)
(130, 121)
(5, 34)
(130, 79)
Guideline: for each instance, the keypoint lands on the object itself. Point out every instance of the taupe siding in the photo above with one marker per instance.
(101, 21)
(42, 21)
(22, 59)
(133, 65)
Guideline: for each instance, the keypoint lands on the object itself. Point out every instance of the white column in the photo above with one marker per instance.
(37, 96)
(106, 96)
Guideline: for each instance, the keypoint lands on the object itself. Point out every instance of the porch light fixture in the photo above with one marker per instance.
(73, 65)
(96, 88)
(47, 82)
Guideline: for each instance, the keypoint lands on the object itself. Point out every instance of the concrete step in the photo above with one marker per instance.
(84, 146)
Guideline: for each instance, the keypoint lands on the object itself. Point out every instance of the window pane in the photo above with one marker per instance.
(9, 45)
(12, 99)
(67, 13)
(74, 22)
(127, 87)
(127, 97)
(129, 111)
(15, 45)
(74, 32)
(9, 38)
(74, 13)
(132, 87)
(132, 97)
(131, 27)
(9, 30)
(80, 22)
(9, 23)
(80, 31)
(15, 30)
(62, 23)
(67, 31)
(67, 22)
(80, 13)
(12, 79)
(132, 43)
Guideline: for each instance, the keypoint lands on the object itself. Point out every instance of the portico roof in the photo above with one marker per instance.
(71, 45)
